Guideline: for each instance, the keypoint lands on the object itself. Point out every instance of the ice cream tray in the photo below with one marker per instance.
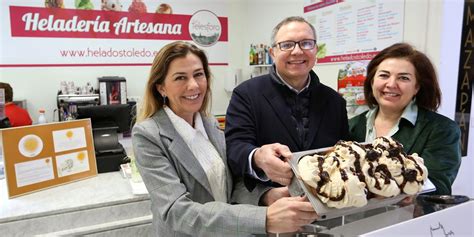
(297, 188)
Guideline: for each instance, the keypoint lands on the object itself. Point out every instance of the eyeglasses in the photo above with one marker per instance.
(289, 45)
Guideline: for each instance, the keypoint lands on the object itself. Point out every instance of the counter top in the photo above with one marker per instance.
(105, 189)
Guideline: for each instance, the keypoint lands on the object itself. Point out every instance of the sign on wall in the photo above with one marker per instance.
(466, 75)
(107, 32)
(354, 30)
(42, 156)
(350, 85)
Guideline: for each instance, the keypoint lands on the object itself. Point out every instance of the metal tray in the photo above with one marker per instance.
(297, 188)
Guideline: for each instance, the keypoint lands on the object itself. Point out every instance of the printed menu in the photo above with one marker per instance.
(354, 30)
(47, 155)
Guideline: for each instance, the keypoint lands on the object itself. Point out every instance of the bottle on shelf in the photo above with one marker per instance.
(268, 58)
(260, 54)
(42, 117)
(255, 55)
(251, 55)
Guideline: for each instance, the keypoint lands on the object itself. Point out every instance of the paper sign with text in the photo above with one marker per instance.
(43, 156)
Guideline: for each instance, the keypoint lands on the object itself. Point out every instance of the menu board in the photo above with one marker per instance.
(43, 156)
(355, 30)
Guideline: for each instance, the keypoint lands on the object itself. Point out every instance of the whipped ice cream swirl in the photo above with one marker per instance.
(351, 173)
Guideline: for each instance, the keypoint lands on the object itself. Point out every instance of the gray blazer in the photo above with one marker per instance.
(181, 197)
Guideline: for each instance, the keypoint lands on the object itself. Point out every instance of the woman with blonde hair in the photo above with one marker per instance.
(180, 153)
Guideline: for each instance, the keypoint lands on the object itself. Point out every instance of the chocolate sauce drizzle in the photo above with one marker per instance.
(325, 178)
(358, 168)
(373, 154)
(396, 152)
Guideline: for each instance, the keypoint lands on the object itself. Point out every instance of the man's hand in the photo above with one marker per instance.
(274, 194)
(289, 215)
(272, 159)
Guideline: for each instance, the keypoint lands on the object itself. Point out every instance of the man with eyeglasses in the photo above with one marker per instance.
(285, 111)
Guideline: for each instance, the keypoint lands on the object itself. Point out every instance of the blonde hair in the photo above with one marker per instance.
(152, 100)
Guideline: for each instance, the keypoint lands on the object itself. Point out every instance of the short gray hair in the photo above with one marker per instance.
(287, 21)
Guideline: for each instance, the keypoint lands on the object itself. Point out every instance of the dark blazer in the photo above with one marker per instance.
(182, 202)
(434, 137)
(258, 114)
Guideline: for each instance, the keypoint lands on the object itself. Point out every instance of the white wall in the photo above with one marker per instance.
(261, 16)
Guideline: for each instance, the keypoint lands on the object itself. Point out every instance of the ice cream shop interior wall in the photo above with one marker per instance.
(35, 65)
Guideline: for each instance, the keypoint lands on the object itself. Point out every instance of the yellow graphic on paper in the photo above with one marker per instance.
(69, 134)
(30, 144)
(69, 139)
(81, 156)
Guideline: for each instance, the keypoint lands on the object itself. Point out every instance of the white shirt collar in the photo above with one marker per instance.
(410, 113)
(184, 128)
(308, 80)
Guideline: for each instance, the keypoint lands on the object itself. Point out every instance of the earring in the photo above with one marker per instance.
(164, 99)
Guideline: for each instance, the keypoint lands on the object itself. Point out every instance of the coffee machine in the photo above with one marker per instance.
(110, 116)
(67, 104)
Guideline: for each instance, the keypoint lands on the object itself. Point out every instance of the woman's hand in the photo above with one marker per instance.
(274, 194)
(289, 214)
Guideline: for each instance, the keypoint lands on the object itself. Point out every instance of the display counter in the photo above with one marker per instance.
(418, 219)
(105, 206)
(99, 206)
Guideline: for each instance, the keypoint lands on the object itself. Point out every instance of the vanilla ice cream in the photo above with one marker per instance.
(332, 178)
(350, 171)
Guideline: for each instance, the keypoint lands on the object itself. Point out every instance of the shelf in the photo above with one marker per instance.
(261, 65)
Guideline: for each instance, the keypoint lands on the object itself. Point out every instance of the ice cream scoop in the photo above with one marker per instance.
(332, 180)
(393, 164)
(415, 174)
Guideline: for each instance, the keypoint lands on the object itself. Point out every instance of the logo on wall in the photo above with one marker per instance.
(205, 28)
